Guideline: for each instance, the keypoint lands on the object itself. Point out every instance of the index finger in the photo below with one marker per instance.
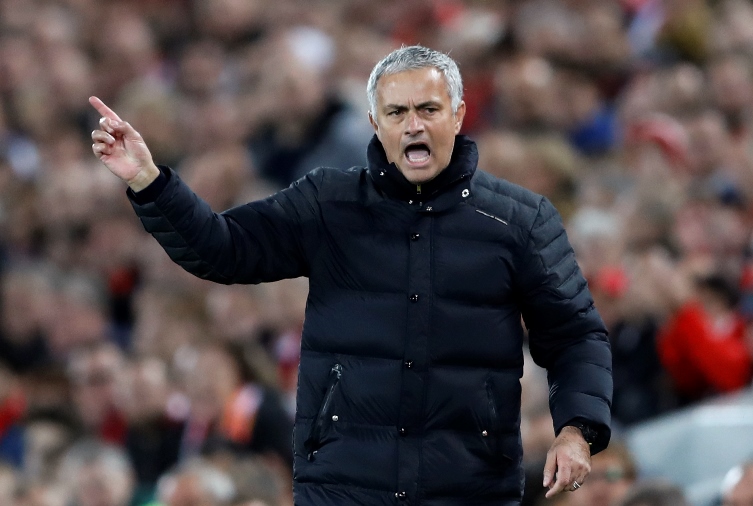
(563, 480)
(558, 487)
(103, 109)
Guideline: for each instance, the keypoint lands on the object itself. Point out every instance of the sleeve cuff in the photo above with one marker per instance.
(599, 437)
(151, 192)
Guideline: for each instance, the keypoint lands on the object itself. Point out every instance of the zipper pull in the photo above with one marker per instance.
(337, 371)
(418, 189)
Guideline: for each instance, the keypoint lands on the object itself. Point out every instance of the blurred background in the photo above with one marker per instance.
(125, 381)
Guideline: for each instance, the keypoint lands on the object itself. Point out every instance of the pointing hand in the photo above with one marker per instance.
(122, 149)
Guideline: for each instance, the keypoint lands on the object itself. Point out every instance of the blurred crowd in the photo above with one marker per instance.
(125, 381)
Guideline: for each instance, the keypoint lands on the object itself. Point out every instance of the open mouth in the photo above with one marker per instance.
(418, 153)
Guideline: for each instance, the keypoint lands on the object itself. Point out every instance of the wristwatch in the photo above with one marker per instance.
(589, 433)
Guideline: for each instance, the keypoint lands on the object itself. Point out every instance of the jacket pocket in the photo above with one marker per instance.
(322, 421)
(492, 436)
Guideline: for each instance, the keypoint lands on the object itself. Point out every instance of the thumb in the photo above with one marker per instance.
(133, 143)
(126, 130)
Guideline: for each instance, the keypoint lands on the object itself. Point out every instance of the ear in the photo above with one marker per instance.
(373, 123)
(459, 115)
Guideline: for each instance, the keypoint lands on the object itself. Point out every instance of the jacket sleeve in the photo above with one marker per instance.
(566, 334)
(261, 241)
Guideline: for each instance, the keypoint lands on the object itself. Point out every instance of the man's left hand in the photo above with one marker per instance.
(568, 462)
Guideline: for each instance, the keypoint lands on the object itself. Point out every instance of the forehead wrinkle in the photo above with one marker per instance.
(426, 90)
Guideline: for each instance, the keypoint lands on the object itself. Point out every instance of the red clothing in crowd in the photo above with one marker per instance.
(12, 410)
(114, 428)
(703, 356)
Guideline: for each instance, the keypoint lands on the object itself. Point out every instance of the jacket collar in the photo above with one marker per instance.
(391, 181)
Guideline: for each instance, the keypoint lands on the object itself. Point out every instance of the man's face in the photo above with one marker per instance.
(415, 123)
(98, 485)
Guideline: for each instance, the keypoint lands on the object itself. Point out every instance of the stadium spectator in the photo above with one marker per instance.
(308, 125)
(47, 435)
(703, 345)
(153, 436)
(654, 493)
(196, 482)
(228, 409)
(8, 483)
(613, 475)
(96, 373)
(25, 303)
(97, 474)
(13, 404)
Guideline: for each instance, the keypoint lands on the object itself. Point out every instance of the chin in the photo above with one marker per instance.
(419, 176)
(424, 179)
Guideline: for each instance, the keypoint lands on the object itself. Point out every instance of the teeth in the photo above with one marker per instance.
(418, 154)
(413, 159)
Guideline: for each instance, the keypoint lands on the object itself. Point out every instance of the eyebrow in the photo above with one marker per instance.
(422, 105)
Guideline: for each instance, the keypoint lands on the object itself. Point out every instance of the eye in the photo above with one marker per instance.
(393, 113)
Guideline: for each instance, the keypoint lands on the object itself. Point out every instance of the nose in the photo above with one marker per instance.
(413, 123)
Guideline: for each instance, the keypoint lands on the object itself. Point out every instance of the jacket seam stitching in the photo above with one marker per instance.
(530, 234)
(188, 244)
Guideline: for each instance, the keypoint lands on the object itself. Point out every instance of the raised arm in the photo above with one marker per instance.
(257, 242)
(122, 149)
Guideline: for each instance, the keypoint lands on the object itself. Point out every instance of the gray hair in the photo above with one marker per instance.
(414, 58)
(93, 452)
(213, 482)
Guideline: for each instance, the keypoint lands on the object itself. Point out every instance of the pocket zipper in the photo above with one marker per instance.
(493, 434)
(314, 440)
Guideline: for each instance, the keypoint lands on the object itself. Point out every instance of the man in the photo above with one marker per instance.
(613, 475)
(737, 487)
(420, 268)
(97, 474)
(196, 482)
(95, 372)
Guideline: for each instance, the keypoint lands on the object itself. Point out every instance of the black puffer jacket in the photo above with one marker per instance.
(409, 386)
